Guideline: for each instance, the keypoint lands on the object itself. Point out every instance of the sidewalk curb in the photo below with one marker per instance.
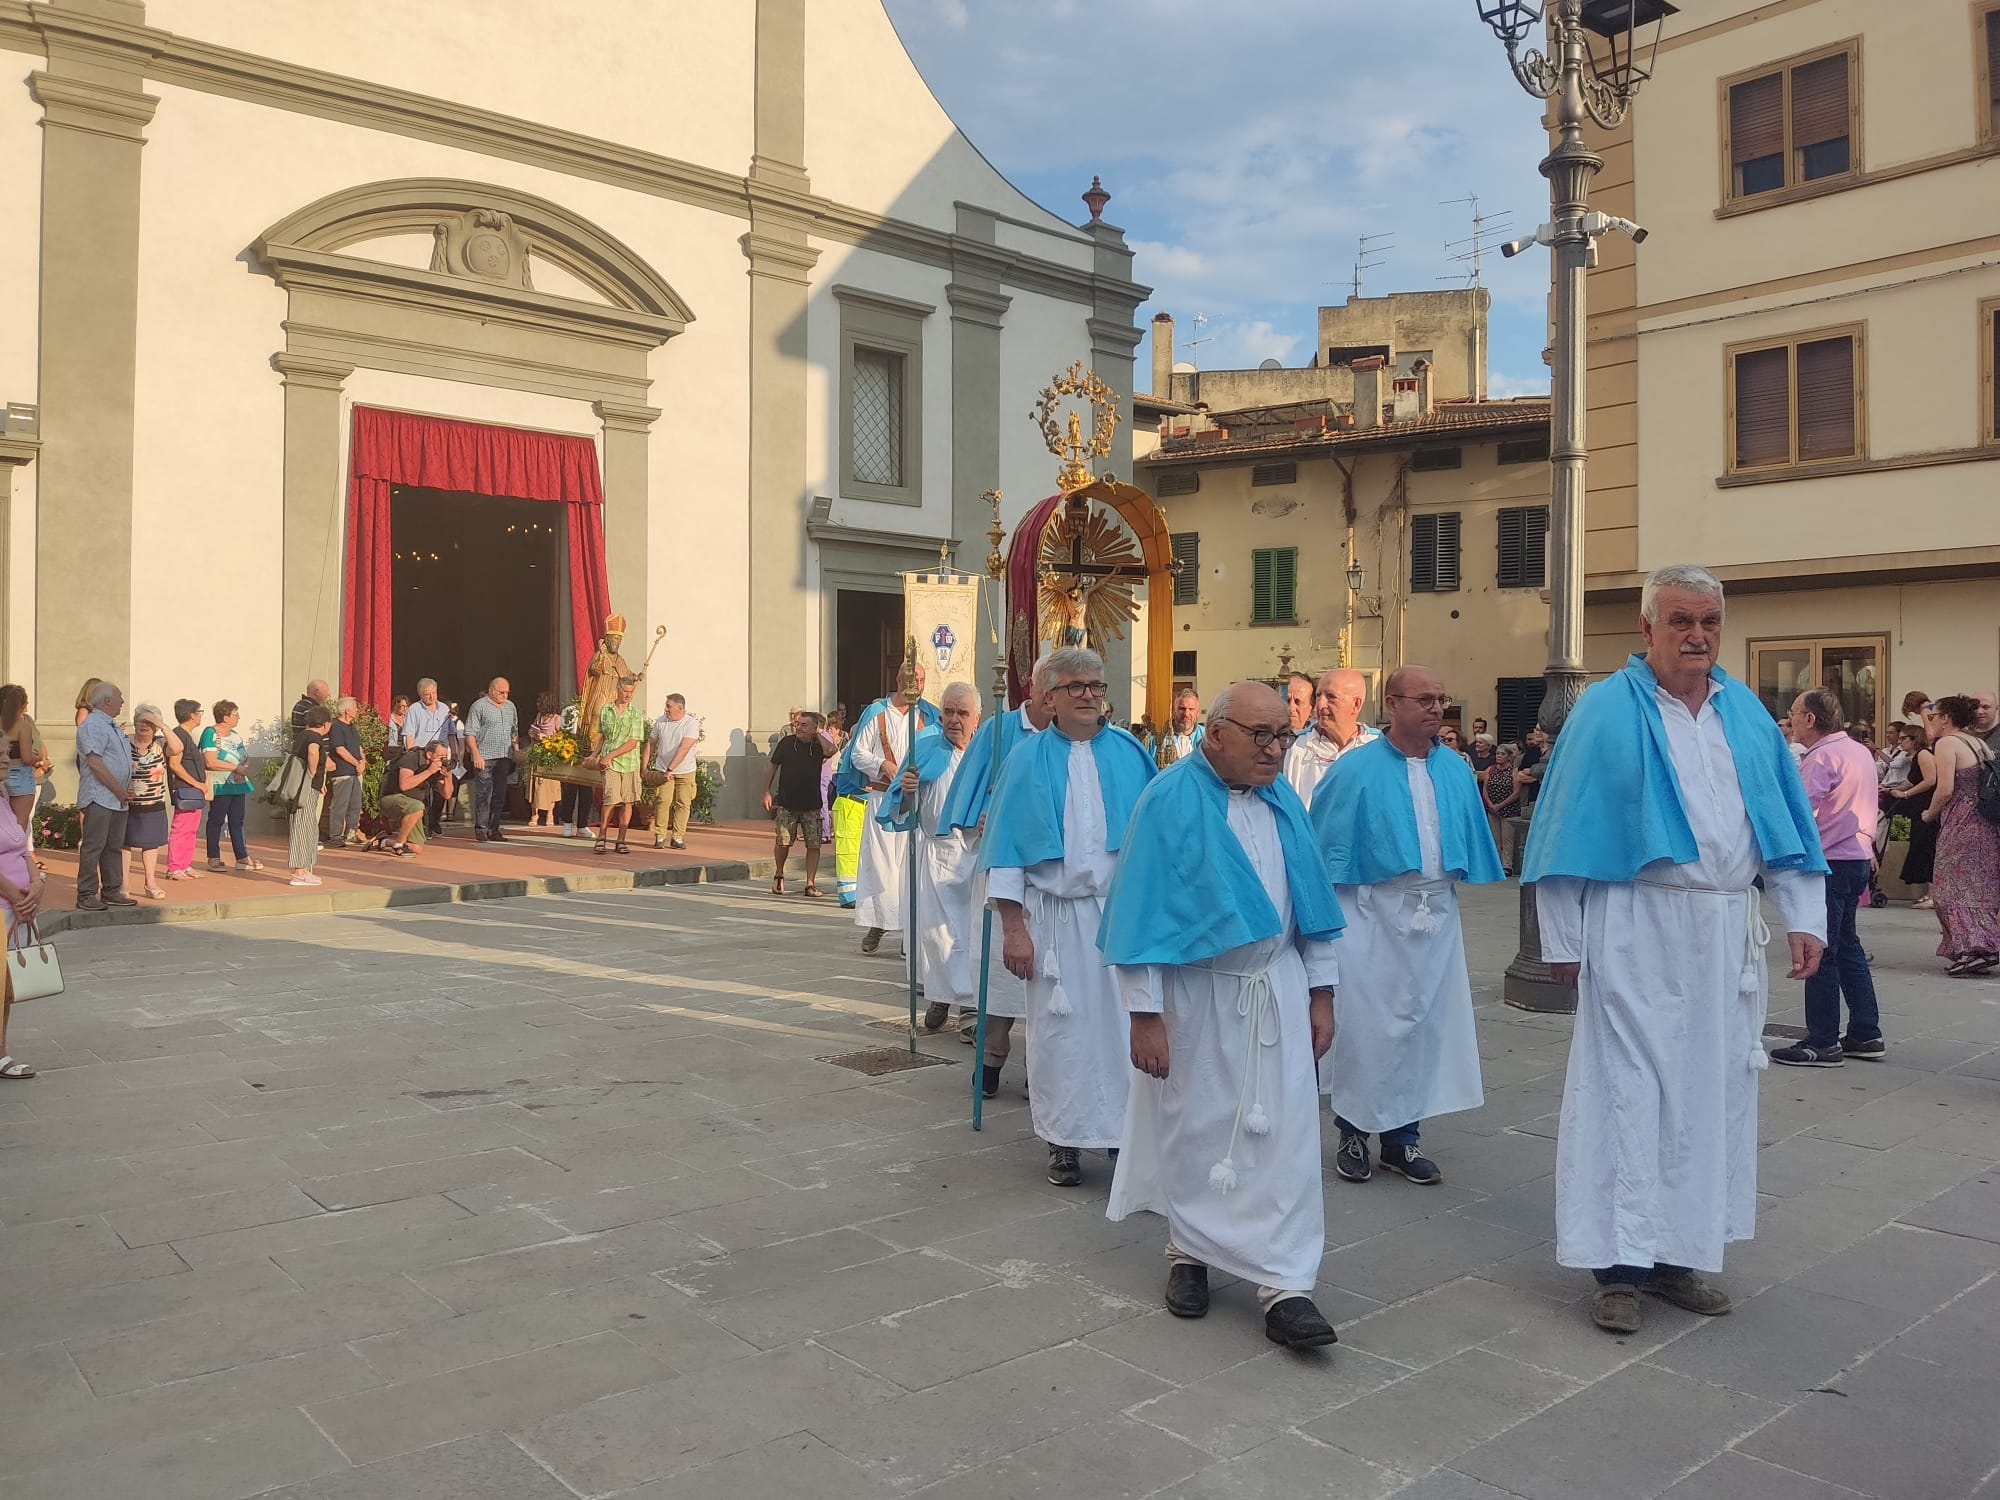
(306, 903)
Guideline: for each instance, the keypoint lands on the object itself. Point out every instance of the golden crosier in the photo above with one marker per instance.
(1071, 446)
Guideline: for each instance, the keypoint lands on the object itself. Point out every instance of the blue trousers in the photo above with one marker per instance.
(1402, 1135)
(1632, 1275)
(1844, 968)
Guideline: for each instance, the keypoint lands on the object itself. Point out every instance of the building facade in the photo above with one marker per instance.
(1443, 504)
(735, 247)
(1793, 380)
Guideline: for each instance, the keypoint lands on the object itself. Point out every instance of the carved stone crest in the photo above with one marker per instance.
(484, 244)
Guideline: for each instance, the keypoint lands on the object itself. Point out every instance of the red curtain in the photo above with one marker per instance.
(1024, 598)
(392, 448)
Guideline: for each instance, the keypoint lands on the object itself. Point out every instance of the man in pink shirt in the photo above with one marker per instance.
(1841, 782)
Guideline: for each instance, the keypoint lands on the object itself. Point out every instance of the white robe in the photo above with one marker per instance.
(1312, 755)
(883, 878)
(1079, 1046)
(944, 891)
(1656, 1161)
(1239, 1051)
(1006, 995)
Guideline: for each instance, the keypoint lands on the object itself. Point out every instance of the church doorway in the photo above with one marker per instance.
(478, 590)
(868, 647)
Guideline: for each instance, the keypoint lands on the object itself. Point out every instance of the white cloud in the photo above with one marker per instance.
(952, 13)
(1504, 387)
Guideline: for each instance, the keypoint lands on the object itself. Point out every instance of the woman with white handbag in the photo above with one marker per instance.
(22, 884)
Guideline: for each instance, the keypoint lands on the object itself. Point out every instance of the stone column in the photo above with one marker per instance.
(315, 523)
(627, 511)
(977, 309)
(94, 115)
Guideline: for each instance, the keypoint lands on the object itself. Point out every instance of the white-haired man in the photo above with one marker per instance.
(937, 926)
(1400, 824)
(1220, 923)
(1053, 832)
(1336, 730)
(870, 764)
(1669, 792)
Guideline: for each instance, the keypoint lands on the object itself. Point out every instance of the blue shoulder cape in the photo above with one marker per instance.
(930, 755)
(1367, 825)
(1185, 891)
(848, 782)
(1611, 805)
(972, 787)
(1024, 825)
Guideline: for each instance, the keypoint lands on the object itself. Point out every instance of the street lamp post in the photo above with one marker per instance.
(1598, 53)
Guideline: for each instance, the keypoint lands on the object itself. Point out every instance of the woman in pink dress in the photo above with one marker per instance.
(21, 888)
(1965, 887)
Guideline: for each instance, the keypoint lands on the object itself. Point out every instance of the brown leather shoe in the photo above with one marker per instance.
(1615, 1309)
(1687, 1290)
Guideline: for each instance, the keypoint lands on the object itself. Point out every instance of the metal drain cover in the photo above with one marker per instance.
(901, 1028)
(879, 1060)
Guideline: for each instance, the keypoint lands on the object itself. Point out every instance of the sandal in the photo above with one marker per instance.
(778, 886)
(155, 892)
(251, 864)
(812, 891)
(600, 847)
(11, 1069)
(621, 847)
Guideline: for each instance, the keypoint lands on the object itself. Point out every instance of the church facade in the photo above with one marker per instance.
(391, 340)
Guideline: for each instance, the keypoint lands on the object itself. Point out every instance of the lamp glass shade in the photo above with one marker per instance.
(1513, 21)
(1622, 37)
(1354, 576)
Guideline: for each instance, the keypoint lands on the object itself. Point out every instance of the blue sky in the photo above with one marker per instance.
(1246, 143)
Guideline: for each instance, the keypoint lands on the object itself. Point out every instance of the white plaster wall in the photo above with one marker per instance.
(676, 79)
(209, 424)
(877, 138)
(1943, 637)
(1923, 393)
(1057, 243)
(21, 242)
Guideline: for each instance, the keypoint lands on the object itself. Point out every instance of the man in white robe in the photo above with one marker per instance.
(1220, 924)
(1336, 729)
(937, 928)
(881, 741)
(1053, 831)
(1400, 824)
(1669, 792)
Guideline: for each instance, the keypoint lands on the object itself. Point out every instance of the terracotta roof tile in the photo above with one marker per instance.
(1448, 419)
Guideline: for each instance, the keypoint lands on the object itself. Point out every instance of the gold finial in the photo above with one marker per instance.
(996, 560)
(1069, 444)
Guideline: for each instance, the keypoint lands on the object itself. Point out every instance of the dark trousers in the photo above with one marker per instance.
(1634, 1275)
(489, 794)
(576, 804)
(228, 810)
(1403, 1135)
(1844, 968)
(100, 862)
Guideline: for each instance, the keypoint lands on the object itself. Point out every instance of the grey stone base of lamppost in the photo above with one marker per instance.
(1528, 985)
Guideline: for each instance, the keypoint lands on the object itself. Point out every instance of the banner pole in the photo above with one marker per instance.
(915, 851)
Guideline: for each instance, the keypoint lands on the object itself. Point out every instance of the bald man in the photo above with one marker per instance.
(1337, 729)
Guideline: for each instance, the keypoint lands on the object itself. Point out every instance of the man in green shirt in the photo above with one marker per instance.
(622, 736)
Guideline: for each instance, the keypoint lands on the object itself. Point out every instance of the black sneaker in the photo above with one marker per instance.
(935, 1015)
(1799, 1055)
(1871, 1050)
(871, 939)
(1351, 1160)
(1412, 1164)
(989, 1079)
(1065, 1166)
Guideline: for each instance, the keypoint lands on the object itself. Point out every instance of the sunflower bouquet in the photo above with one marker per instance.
(558, 749)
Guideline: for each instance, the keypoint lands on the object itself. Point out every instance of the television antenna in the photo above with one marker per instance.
(1370, 245)
(1470, 251)
(1194, 344)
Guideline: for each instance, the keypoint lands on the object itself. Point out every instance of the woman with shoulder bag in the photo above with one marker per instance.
(187, 790)
(1965, 890)
(146, 823)
(309, 751)
(22, 885)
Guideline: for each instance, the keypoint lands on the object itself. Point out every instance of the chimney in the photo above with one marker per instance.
(1163, 355)
(1421, 368)
(1371, 390)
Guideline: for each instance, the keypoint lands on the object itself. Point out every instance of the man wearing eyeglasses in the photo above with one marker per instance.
(1401, 822)
(1336, 730)
(1057, 821)
(1220, 924)
(1669, 794)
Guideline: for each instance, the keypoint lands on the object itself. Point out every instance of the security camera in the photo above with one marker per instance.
(1514, 247)
(1595, 224)
(1545, 235)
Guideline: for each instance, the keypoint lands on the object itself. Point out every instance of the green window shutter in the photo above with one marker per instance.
(1284, 583)
(1187, 552)
(1261, 568)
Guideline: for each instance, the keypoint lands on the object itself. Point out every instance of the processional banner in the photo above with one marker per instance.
(941, 614)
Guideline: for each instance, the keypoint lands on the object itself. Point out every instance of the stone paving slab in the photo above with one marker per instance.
(552, 1197)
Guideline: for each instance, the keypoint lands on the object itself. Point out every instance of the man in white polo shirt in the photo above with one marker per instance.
(675, 734)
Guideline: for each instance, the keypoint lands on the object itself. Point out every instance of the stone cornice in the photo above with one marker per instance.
(781, 256)
(620, 417)
(80, 104)
(901, 307)
(310, 371)
(976, 305)
(19, 450)
(1109, 335)
(293, 268)
(168, 58)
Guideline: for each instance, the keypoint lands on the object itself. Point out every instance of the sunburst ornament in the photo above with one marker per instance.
(1068, 442)
(1078, 608)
